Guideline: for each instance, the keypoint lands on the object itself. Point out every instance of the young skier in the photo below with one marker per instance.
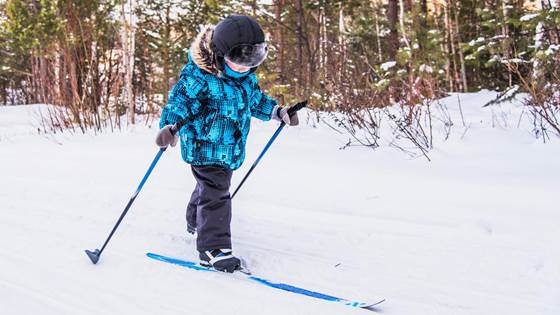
(216, 96)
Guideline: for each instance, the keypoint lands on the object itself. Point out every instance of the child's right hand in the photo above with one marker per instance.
(166, 137)
(281, 114)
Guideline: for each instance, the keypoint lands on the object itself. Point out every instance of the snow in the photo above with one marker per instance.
(513, 60)
(388, 65)
(528, 17)
(153, 34)
(316, 95)
(426, 68)
(539, 35)
(552, 49)
(510, 92)
(475, 231)
(265, 2)
(382, 82)
(494, 58)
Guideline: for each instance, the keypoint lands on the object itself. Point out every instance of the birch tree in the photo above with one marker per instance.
(128, 43)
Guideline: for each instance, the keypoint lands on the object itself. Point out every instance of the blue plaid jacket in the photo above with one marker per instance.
(217, 111)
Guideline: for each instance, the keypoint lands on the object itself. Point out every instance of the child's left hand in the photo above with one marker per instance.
(166, 136)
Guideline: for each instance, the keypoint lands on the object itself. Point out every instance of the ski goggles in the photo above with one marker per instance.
(247, 55)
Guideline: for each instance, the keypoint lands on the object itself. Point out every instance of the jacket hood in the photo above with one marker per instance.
(202, 54)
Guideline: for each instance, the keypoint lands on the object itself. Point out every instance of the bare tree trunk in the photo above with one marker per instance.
(4, 92)
(423, 23)
(311, 64)
(450, 48)
(73, 95)
(299, 48)
(341, 39)
(278, 6)
(323, 44)
(128, 55)
(57, 77)
(33, 77)
(377, 30)
(393, 33)
(166, 54)
(539, 35)
(505, 33)
(424, 8)
(108, 70)
(461, 56)
(130, 72)
(43, 80)
(412, 91)
(401, 22)
(73, 76)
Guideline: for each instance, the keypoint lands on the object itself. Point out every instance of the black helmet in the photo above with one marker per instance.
(240, 40)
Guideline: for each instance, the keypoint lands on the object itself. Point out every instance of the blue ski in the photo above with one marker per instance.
(281, 286)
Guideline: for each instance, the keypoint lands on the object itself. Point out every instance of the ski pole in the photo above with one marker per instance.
(291, 111)
(94, 255)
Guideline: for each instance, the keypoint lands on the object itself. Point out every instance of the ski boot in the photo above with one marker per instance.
(220, 259)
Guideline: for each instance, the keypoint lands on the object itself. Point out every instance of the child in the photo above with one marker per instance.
(216, 95)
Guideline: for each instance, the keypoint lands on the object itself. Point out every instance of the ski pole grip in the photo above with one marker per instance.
(295, 108)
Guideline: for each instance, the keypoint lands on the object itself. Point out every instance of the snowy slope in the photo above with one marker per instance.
(475, 231)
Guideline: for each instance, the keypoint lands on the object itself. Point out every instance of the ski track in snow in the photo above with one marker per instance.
(473, 232)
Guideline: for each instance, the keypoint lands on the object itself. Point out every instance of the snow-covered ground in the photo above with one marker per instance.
(475, 231)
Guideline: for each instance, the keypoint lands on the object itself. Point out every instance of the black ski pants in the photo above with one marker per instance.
(209, 208)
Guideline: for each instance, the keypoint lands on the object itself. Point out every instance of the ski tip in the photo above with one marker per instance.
(243, 267)
(372, 306)
(244, 271)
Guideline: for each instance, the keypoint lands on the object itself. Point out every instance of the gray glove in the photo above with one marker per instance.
(281, 114)
(165, 137)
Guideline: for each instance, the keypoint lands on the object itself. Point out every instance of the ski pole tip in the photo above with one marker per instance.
(93, 256)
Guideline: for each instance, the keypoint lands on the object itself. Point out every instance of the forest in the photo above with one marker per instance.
(421, 178)
(102, 63)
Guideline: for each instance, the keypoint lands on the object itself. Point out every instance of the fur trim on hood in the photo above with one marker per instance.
(202, 54)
